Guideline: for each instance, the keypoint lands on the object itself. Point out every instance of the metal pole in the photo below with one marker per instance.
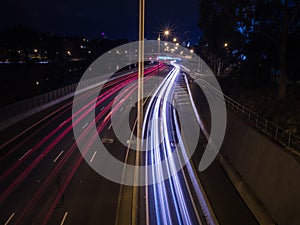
(139, 110)
(140, 73)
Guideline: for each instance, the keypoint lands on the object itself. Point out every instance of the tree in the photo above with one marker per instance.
(253, 29)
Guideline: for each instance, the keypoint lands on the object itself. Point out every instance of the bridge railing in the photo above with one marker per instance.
(283, 136)
(277, 133)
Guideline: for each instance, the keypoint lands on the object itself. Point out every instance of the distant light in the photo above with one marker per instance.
(84, 39)
(226, 45)
(177, 44)
(35, 50)
(37, 83)
(191, 50)
(68, 52)
(168, 58)
(166, 44)
(89, 52)
(19, 51)
(243, 57)
(167, 32)
(174, 39)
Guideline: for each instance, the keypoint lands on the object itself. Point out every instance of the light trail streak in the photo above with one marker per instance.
(62, 162)
(58, 113)
(177, 198)
(59, 110)
(25, 172)
(90, 142)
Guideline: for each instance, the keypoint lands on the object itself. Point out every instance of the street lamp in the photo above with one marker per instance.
(225, 44)
(158, 44)
(167, 32)
(174, 39)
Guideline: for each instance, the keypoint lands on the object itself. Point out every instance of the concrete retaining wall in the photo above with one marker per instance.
(266, 176)
(271, 173)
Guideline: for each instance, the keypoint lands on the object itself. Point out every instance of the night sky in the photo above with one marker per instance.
(117, 18)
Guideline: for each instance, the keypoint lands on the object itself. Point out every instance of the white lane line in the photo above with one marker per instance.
(85, 125)
(93, 157)
(10, 218)
(62, 123)
(25, 154)
(109, 126)
(57, 157)
(64, 218)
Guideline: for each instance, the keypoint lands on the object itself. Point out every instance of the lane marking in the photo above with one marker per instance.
(10, 218)
(85, 125)
(64, 218)
(93, 157)
(183, 103)
(57, 157)
(25, 154)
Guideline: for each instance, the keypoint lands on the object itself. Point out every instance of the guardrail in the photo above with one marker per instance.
(277, 133)
(16, 112)
(283, 136)
(28, 104)
(42, 99)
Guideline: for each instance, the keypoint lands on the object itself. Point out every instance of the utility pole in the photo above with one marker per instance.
(140, 111)
(141, 73)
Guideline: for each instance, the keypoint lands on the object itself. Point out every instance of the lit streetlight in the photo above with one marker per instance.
(225, 44)
(174, 39)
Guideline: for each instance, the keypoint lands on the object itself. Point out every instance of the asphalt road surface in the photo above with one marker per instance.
(44, 178)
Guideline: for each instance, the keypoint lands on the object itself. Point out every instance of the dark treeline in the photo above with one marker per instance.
(257, 40)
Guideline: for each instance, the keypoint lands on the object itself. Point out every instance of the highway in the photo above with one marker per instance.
(45, 180)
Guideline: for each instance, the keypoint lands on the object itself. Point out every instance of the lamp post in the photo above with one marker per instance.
(139, 108)
(158, 47)
(140, 73)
